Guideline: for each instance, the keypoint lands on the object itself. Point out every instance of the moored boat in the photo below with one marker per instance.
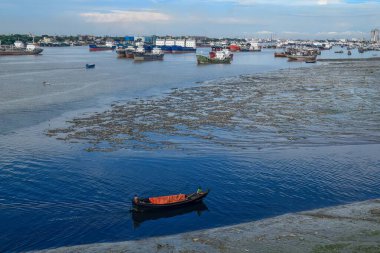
(142, 55)
(302, 57)
(280, 54)
(216, 57)
(108, 46)
(19, 49)
(167, 202)
(120, 51)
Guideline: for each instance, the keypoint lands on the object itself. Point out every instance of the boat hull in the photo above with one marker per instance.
(148, 57)
(94, 48)
(302, 58)
(120, 53)
(206, 60)
(190, 200)
(7, 52)
(281, 55)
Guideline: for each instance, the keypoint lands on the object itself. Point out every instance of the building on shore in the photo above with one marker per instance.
(375, 35)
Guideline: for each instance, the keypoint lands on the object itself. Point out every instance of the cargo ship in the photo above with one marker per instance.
(19, 49)
(179, 46)
(108, 46)
(223, 56)
(142, 55)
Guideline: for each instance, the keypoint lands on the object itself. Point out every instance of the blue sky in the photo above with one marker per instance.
(213, 18)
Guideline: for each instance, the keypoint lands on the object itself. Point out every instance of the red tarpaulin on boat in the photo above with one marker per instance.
(167, 199)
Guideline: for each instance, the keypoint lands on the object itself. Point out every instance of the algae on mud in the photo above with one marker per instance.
(331, 104)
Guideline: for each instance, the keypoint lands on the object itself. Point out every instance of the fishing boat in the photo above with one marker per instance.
(120, 51)
(280, 54)
(90, 66)
(215, 57)
(167, 202)
(301, 57)
(129, 52)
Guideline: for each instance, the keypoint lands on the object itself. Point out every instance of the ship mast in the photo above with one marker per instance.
(31, 35)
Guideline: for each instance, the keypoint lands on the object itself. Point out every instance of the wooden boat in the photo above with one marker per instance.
(281, 54)
(167, 202)
(302, 57)
(90, 66)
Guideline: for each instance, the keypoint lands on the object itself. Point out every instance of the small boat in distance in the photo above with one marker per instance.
(90, 66)
(167, 202)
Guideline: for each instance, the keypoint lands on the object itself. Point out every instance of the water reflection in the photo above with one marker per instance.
(140, 217)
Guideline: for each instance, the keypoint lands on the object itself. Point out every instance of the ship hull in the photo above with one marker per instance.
(120, 53)
(20, 52)
(94, 48)
(148, 57)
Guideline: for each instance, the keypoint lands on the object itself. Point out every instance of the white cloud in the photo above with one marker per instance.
(264, 32)
(125, 17)
(284, 2)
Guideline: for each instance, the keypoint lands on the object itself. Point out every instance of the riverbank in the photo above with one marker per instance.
(346, 228)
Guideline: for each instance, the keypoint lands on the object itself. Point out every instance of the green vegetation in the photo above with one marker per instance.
(10, 39)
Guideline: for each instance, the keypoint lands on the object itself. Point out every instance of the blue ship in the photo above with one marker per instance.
(177, 49)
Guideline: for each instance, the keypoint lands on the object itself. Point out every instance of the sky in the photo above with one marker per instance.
(288, 19)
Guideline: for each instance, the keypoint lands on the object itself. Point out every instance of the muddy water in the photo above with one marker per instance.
(332, 104)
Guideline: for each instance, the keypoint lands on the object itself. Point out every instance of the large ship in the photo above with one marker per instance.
(108, 46)
(142, 55)
(176, 46)
(19, 49)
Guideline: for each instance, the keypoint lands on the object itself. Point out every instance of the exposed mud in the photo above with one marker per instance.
(331, 104)
(347, 228)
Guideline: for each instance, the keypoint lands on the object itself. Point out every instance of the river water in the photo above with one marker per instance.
(55, 192)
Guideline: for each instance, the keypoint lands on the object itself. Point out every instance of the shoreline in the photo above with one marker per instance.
(351, 227)
(349, 59)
